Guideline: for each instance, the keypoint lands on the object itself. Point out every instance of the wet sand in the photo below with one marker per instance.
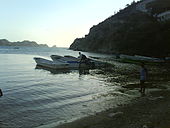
(149, 111)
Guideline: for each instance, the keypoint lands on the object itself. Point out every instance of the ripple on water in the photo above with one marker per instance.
(34, 97)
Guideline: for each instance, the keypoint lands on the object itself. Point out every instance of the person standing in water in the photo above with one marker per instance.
(82, 57)
(143, 78)
(83, 60)
(1, 94)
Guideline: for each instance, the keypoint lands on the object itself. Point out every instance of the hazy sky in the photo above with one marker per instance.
(53, 22)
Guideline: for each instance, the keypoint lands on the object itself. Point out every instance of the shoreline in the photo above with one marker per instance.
(150, 111)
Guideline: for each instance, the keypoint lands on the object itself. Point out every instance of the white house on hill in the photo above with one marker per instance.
(164, 16)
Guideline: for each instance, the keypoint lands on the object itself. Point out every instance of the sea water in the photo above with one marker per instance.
(40, 98)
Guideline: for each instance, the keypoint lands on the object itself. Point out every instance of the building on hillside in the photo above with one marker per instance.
(141, 6)
(164, 16)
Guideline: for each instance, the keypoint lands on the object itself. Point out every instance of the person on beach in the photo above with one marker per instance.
(143, 78)
(83, 58)
(1, 94)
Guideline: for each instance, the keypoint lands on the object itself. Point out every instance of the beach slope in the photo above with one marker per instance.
(149, 111)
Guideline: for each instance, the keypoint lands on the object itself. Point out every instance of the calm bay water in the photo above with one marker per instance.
(38, 98)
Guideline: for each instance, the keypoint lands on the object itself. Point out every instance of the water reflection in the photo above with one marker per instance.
(53, 71)
(81, 71)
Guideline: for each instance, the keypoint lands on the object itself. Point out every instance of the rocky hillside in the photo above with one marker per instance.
(133, 30)
(4, 42)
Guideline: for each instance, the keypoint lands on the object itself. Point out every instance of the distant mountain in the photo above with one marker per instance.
(141, 28)
(4, 42)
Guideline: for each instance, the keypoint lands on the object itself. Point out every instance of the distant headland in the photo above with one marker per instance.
(5, 42)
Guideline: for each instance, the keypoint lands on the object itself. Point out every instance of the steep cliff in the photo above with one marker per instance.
(133, 30)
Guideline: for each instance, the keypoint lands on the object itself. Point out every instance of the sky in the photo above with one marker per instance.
(53, 22)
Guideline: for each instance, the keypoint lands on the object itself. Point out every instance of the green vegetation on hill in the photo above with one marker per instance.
(128, 32)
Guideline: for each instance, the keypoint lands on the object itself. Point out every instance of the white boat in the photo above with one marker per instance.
(67, 62)
(64, 58)
(50, 64)
(141, 58)
(72, 61)
(75, 62)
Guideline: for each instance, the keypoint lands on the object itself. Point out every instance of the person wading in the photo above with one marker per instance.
(143, 78)
(1, 94)
(83, 59)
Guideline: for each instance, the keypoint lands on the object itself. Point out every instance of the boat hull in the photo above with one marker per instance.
(67, 62)
(50, 64)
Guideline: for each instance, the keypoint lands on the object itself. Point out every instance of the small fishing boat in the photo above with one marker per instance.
(64, 58)
(50, 64)
(72, 61)
(67, 62)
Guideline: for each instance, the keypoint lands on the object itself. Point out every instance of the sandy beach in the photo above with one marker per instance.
(149, 111)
